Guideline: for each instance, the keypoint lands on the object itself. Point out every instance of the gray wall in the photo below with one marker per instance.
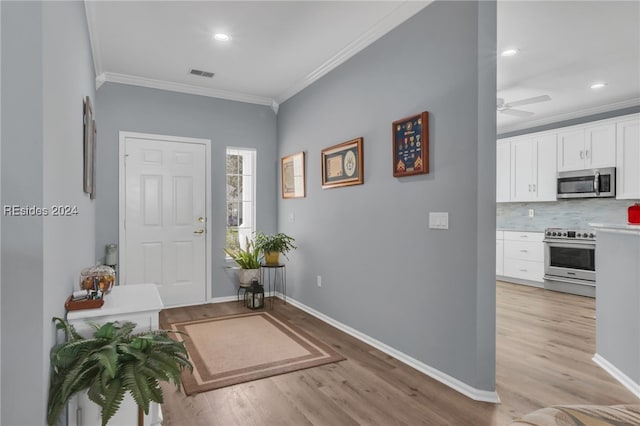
(46, 72)
(225, 123)
(428, 293)
(618, 301)
(561, 214)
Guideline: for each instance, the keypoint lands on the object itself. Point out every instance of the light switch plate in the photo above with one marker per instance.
(438, 220)
(292, 217)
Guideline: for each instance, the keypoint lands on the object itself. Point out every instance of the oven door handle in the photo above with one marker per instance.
(596, 183)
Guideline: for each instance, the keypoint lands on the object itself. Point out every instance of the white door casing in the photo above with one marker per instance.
(164, 205)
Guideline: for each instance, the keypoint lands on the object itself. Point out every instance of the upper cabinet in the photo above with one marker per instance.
(587, 147)
(628, 159)
(527, 165)
(533, 169)
(503, 172)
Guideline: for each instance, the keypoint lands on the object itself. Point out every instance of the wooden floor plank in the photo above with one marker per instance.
(544, 344)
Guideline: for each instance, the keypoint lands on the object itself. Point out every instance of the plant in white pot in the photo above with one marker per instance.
(248, 259)
(274, 244)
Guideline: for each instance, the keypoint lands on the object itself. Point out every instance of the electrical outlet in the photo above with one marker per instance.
(531, 213)
(292, 217)
(319, 280)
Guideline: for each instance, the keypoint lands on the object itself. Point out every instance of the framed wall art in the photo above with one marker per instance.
(343, 164)
(293, 176)
(94, 134)
(87, 146)
(411, 145)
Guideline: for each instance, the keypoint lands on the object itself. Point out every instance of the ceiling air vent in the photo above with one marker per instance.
(201, 73)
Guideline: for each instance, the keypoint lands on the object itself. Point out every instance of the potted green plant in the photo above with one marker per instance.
(274, 244)
(110, 364)
(248, 259)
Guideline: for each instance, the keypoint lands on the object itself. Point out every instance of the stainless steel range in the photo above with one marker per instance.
(570, 261)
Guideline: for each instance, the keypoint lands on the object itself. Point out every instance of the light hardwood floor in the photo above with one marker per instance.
(545, 341)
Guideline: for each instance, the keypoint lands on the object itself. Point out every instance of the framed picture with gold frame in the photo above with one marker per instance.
(293, 175)
(411, 145)
(343, 165)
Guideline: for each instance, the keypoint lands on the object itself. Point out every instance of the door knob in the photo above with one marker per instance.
(201, 219)
(199, 231)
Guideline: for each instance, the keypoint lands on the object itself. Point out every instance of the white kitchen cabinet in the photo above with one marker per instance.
(137, 303)
(587, 147)
(503, 172)
(524, 256)
(628, 159)
(499, 253)
(533, 169)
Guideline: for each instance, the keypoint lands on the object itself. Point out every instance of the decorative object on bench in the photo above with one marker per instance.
(582, 415)
(274, 244)
(98, 278)
(115, 361)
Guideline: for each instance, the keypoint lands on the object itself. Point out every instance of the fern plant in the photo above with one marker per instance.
(115, 361)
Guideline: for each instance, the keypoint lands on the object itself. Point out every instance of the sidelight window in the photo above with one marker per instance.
(241, 184)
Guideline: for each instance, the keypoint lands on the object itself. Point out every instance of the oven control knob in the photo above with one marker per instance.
(553, 233)
(548, 233)
(580, 235)
(564, 234)
(591, 235)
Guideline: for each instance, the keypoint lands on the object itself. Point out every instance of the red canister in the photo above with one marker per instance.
(634, 214)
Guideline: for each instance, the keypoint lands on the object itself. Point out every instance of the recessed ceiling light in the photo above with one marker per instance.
(598, 85)
(509, 52)
(222, 37)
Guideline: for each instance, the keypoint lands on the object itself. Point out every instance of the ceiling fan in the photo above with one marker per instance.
(507, 108)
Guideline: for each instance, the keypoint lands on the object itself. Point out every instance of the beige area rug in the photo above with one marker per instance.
(239, 348)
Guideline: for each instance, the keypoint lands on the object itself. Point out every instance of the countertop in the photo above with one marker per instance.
(624, 228)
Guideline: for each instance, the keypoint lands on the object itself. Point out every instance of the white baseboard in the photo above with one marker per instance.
(223, 299)
(625, 380)
(452, 382)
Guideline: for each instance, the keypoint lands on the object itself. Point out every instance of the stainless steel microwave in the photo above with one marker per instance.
(592, 183)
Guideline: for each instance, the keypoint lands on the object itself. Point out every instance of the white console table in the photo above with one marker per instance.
(618, 302)
(137, 303)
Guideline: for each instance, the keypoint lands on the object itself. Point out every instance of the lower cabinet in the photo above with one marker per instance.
(137, 303)
(523, 256)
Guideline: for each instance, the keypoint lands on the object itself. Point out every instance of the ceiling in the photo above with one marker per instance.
(565, 46)
(279, 48)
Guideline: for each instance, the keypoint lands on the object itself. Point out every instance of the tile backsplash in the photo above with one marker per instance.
(564, 213)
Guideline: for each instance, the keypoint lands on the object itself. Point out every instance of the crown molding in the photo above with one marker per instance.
(404, 11)
(183, 88)
(571, 115)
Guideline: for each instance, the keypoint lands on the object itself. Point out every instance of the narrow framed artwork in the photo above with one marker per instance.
(94, 134)
(343, 165)
(411, 145)
(293, 176)
(87, 145)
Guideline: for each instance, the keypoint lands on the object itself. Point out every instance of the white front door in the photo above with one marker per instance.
(165, 218)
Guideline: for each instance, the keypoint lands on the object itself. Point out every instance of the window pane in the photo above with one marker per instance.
(233, 188)
(240, 206)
